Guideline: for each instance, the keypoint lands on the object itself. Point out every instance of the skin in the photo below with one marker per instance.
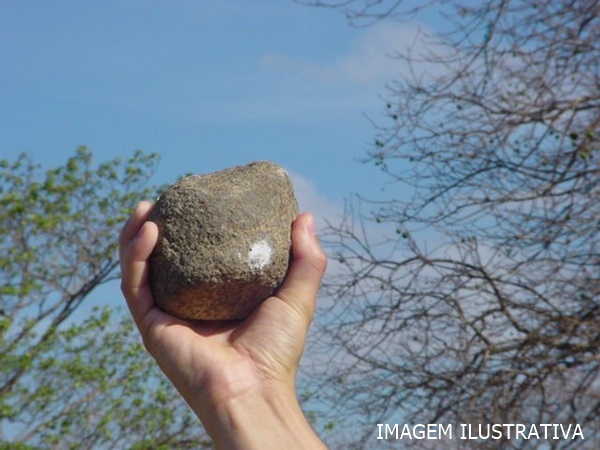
(238, 377)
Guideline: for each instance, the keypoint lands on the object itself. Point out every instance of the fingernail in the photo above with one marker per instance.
(137, 208)
(310, 225)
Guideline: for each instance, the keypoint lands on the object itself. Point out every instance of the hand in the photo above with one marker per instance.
(238, 377)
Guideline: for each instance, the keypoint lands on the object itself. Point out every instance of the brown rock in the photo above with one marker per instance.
(224, 241)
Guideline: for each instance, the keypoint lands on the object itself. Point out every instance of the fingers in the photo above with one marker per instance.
(132, 226)
(136, 243)
(309, 262)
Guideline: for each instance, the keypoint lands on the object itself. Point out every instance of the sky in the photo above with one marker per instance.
(207, 85)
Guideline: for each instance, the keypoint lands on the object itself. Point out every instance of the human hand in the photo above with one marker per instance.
(238, 377)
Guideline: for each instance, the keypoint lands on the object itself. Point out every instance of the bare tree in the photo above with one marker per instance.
(482, 305)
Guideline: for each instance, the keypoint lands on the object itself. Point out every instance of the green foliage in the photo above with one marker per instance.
(71, 379)
(96, 386)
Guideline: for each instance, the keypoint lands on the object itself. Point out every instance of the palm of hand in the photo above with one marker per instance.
(220, 359)
(237, 355)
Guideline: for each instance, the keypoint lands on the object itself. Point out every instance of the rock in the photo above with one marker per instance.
(224, 241)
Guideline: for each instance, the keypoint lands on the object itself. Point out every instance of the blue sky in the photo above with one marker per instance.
(205, 84)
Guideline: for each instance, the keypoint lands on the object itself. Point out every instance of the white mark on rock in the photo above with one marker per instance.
(259, 255)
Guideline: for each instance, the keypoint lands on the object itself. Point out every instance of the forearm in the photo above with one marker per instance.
(259, 420)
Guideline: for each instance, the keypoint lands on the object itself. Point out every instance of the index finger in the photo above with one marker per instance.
(132, 226)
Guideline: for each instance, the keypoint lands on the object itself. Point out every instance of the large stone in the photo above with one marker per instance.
(224, 241)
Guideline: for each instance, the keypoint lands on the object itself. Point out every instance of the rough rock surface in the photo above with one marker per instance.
(224, 241)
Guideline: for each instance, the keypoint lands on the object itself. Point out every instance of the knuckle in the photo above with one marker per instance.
(125, 287)
(319, 261)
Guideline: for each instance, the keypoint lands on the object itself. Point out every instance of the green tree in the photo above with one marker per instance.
(73, 377)
(481, 303)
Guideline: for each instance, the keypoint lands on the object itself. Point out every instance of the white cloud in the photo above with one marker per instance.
(310, 200)
(369, 62)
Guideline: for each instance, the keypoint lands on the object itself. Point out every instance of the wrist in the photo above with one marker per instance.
(262, 418)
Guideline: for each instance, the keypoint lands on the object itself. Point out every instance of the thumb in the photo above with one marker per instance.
(302, 282)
